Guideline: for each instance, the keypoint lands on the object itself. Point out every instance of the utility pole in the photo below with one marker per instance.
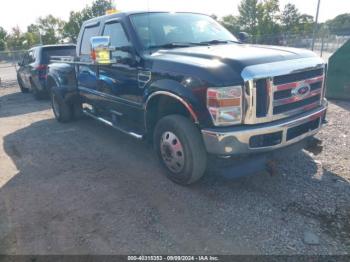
(315, 26)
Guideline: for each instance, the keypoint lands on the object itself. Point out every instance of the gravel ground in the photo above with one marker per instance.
(83, 188)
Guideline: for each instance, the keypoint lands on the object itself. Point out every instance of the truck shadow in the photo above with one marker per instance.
(18, 103)
(83, 187)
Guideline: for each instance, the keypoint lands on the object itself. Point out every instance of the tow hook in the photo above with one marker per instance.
(314, 146)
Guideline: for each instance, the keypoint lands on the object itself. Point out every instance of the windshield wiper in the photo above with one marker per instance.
(217, 42)
(171, 45)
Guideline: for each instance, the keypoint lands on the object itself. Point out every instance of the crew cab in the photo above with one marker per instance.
(184, 82)
(32, 71)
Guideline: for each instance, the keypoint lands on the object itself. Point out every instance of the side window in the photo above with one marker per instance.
(31, 57)
(85, 47)
(118, 39)
(25, 58)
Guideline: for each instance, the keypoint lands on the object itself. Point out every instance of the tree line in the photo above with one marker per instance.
(264, 20)
(268, 23)
(52, 30)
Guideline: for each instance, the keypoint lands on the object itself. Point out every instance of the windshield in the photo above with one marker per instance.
(161, 29)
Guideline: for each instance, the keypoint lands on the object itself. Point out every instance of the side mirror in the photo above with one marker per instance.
(100, 50)
(243, 36)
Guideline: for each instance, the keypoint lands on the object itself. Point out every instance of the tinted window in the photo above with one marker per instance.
(31, 56)
(163, 28)
(118, 38)
(57, 51)
(89, 32)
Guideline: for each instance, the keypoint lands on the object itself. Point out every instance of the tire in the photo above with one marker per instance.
(78, 111)
(180, 148)
(21, 85)
(38, 95)
(63, 112)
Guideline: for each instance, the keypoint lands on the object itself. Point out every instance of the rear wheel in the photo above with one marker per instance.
(180, 148)
(21, 85)
(63, 112)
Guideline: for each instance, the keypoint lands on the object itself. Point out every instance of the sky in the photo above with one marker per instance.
(25, 12)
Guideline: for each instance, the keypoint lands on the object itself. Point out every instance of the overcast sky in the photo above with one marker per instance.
(25, 12)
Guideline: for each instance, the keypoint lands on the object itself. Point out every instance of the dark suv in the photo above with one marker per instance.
(32, 71)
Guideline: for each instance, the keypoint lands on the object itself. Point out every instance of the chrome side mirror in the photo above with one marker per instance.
(100, 49)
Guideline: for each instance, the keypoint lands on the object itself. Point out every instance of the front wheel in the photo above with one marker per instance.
(180, 148)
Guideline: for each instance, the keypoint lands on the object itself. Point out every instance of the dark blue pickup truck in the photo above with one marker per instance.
(185, 83)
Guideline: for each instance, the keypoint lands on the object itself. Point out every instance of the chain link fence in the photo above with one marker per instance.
(8, 67)
(324, 46)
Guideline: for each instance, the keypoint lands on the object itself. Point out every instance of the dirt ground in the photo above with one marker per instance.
(83, 188)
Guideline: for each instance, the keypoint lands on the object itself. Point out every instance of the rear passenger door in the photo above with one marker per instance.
(22, 69)
(27, 68)
(87, 72)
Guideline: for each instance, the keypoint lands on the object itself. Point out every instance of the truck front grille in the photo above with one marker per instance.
(287, 95)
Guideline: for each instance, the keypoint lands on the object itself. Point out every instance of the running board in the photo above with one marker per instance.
(109, 123)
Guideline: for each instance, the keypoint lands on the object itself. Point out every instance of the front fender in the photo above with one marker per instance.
(191, 98)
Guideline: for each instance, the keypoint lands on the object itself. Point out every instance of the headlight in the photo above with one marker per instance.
(225, 105)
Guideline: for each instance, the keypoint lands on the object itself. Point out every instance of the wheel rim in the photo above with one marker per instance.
(55, 106)
(172, 152)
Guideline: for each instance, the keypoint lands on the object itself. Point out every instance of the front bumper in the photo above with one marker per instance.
(263, 137)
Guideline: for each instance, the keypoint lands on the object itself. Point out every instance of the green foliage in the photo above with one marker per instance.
(51, 29)
(72, 27)
(262, 19)
(340, 25)
(295, 23)
(3, 35)
(290, 18)
(16, 40)
(231, 23)
(266, 23)
(248, 16)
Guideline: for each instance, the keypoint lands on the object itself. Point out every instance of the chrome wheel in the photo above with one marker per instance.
(55, 106)
(172, 152)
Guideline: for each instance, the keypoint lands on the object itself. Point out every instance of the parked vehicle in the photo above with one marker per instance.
(185, 83)
(32, 72)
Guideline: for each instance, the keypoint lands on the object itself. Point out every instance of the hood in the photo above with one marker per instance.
(224, 62)
(242, 54)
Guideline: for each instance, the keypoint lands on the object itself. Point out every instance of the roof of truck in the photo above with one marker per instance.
(125, 14)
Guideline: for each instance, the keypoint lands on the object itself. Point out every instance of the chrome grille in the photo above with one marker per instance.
(288, 96)
(282, 89)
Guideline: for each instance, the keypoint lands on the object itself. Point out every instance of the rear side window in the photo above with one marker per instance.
(57, 51)
(89, 32)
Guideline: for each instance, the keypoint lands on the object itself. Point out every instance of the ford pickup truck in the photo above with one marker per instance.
(186, 84)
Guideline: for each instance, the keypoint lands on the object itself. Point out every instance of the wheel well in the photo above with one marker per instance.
(163, 105)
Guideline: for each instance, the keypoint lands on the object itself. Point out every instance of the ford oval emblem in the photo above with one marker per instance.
(302, 90)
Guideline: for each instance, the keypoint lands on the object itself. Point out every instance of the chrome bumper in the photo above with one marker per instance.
(238, 140)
